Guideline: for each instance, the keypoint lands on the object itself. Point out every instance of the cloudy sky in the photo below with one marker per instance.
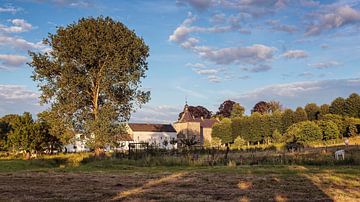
(293, 51)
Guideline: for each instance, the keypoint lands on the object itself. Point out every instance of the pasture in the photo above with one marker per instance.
(248, 176)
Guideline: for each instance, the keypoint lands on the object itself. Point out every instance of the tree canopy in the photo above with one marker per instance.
(91, 77)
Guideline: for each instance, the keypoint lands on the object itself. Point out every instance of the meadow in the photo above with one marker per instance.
(253, 175)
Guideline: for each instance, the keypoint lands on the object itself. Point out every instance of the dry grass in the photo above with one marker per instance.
(241, 183)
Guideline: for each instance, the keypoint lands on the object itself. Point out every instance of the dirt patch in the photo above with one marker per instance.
(178, 186)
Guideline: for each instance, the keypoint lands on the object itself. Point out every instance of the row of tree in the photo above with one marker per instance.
(270, 123)
(22, 133)
(349, 106)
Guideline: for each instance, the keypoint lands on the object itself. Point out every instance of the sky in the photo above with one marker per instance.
(202, 51)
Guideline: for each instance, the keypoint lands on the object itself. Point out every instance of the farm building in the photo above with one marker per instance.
(160, 135)
(78, 144)
(188, 126)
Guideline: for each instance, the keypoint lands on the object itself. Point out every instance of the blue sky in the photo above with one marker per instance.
(204, 50)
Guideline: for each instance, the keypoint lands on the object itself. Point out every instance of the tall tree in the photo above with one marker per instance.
(237, 111)
(300, 115)
(226, 108)
(352, 105)
(198, 112)
(91, 77)
(223, 131)
(324, 109)
(262, 107)
(274, 106)
(338, 106)
(312, 111)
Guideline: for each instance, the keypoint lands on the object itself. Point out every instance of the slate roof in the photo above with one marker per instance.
(146, 127)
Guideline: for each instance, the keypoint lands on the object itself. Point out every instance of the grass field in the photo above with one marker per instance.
(55, 179)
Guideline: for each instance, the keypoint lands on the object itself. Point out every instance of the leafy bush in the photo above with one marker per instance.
(303, 132)
(329, 130)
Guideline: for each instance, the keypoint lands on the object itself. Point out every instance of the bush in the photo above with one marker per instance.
(303, 132)
(329, 130)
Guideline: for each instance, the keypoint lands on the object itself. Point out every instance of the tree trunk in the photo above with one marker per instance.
(227, 150)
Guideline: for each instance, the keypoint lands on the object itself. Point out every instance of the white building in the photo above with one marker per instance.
(159, 135)
(78, 144)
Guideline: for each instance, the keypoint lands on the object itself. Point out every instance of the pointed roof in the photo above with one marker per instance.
(186, 116)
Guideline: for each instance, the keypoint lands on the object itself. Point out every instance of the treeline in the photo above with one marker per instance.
(23, 133)
(269, 123)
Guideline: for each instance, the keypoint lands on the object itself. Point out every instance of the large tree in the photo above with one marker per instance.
(226, 108)
(91, 77)
(312, 111)
(237, 111)
(261, 107)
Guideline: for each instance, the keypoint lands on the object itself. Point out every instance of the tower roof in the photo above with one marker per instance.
(186, 116)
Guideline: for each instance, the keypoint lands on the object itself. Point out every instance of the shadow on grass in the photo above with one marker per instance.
(215, 186)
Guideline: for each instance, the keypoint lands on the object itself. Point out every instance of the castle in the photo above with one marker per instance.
(188, 127)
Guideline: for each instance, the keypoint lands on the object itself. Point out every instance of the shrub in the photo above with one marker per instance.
(329, 130)
(303, 132)
(238, 143)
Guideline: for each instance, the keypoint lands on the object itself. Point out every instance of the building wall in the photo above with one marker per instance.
(155, 138)
(78, 144)
(189, 129)
(207, 134)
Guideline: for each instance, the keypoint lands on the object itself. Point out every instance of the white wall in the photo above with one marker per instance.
(155, 138)
(78, 144)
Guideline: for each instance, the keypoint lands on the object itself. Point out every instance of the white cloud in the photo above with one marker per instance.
(9, 9)
(214, 79)
(74, 3)
(309, 3)
(196, 65)
(277, 26)
(156, 114)
(182, 32)
(19, 43)
(290, 54)
(19, 25)
(206, 71)
(8, 61)
(325, 65)
(300, 93)
(250, 54)
(257, 68)
(18, 99)
(197, 4)
(334, 18)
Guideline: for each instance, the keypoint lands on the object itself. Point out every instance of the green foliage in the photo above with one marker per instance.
(324, 109)
(300, 115)
(237, 111)
(338, 106)
(303, 132)
(91, 76)
(329, 130)
(238, 143)
(223, 131)
(274, 106)
(276, 136)
(215, 142)
(352, 105)
(27, 135)
(312, 111)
